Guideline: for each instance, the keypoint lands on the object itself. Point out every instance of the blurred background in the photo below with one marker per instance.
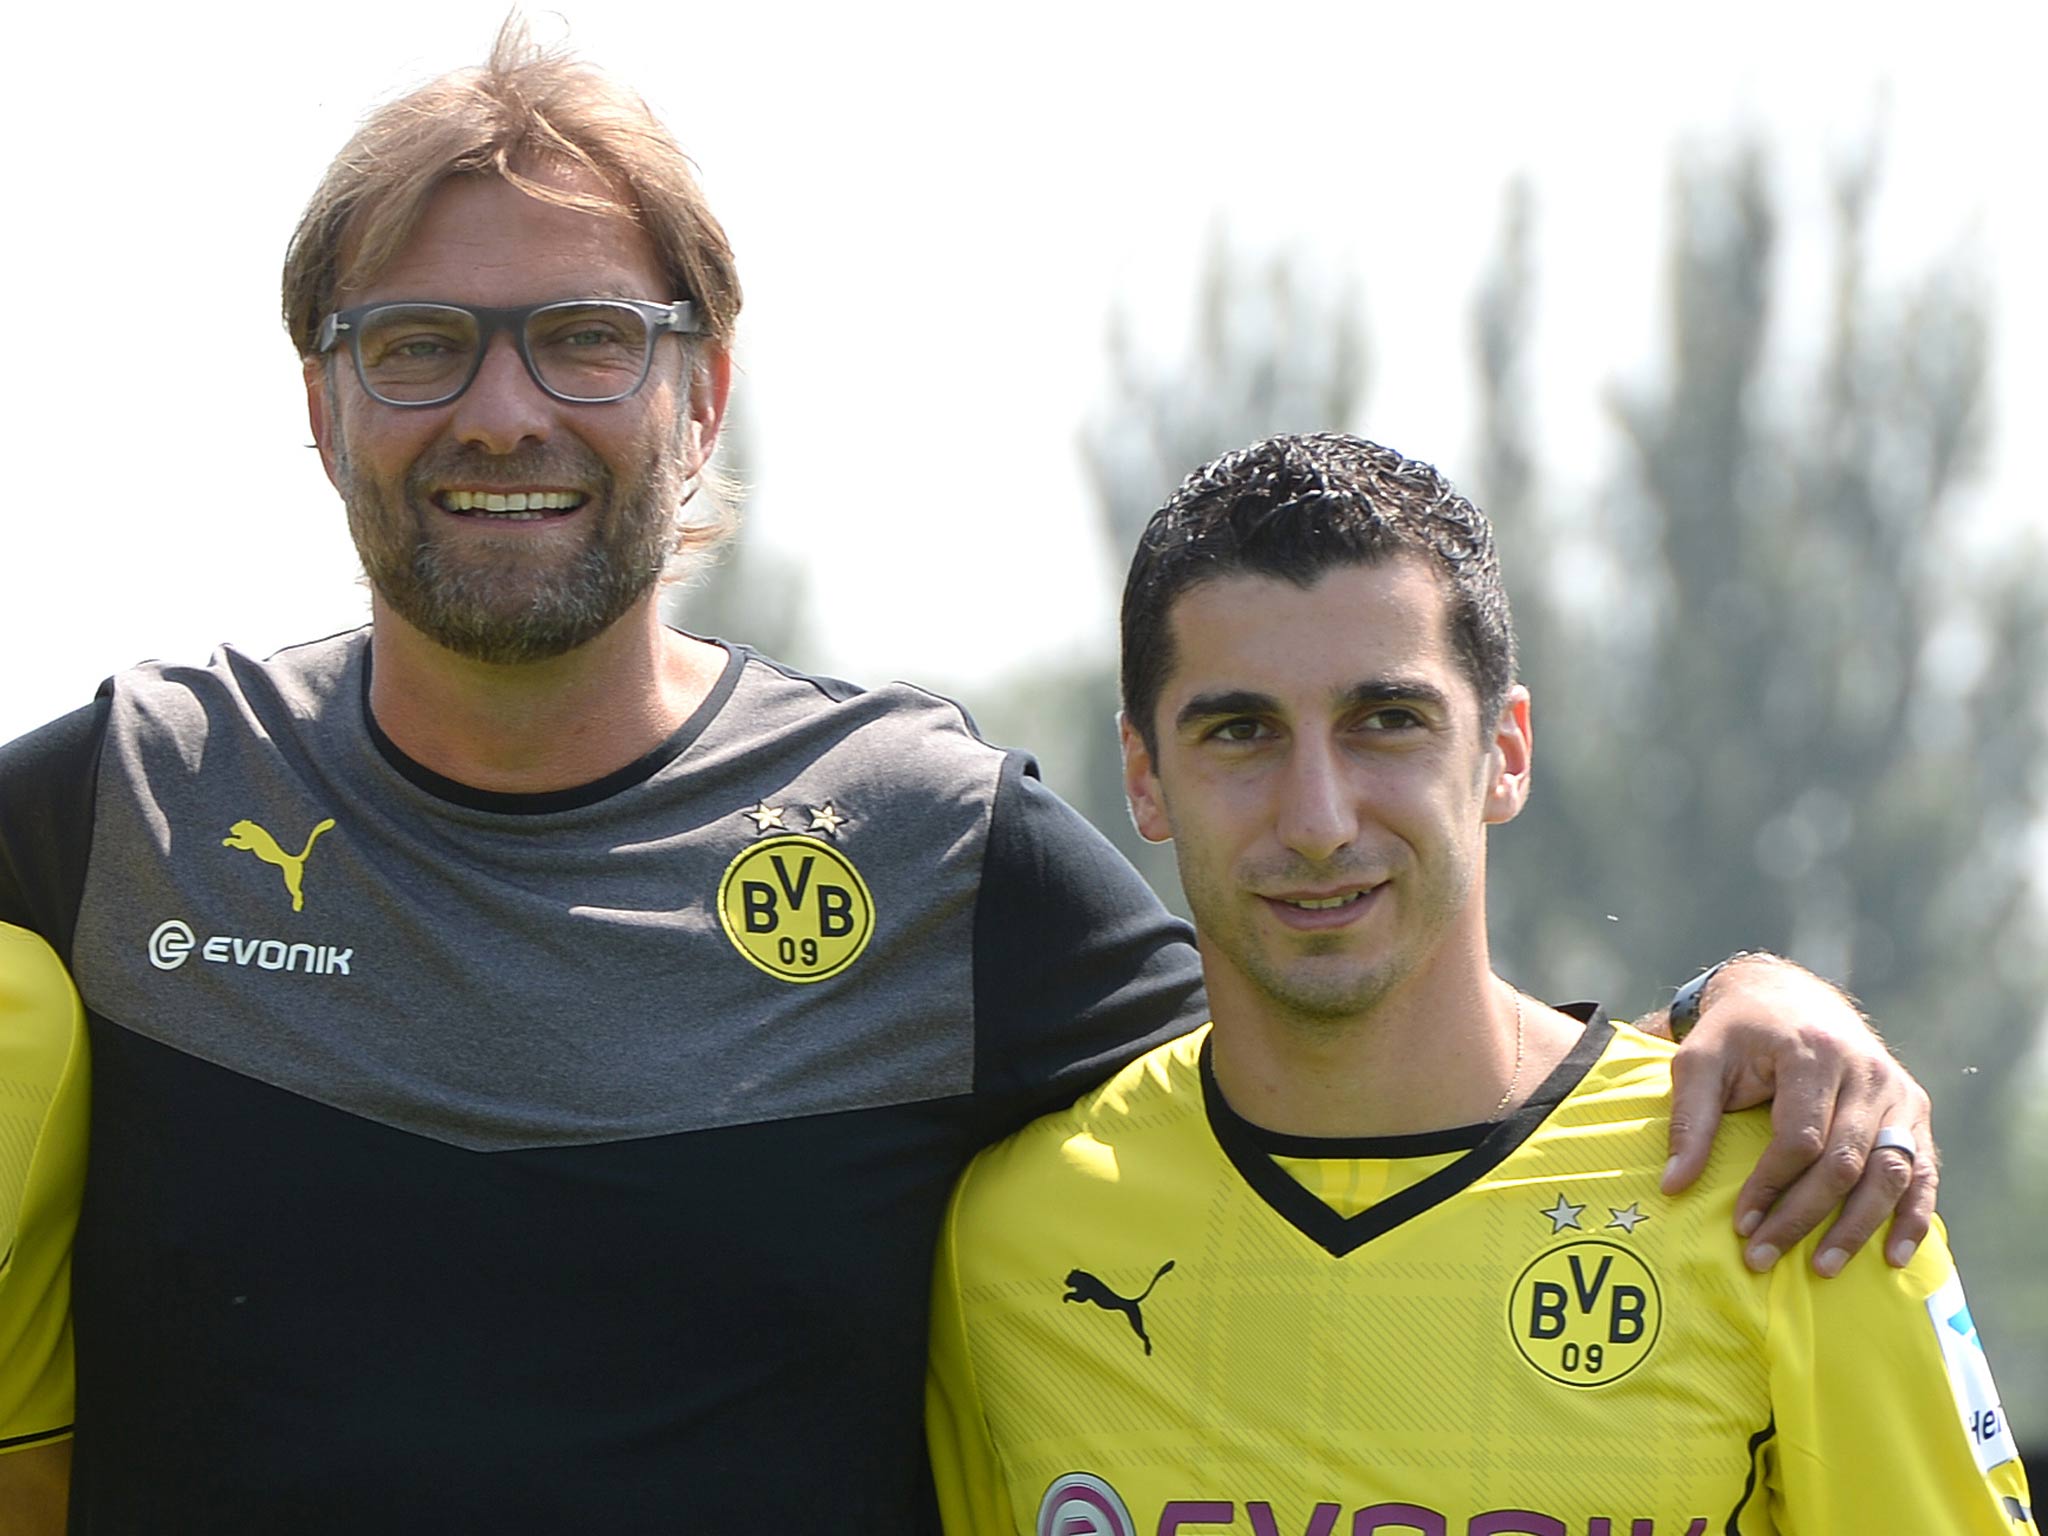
(1730, 316)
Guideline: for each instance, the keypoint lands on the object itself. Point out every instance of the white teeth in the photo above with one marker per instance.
(1327, 903)
(513, 503)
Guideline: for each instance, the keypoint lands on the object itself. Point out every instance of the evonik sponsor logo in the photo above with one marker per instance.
(1082, 1504)
(173, 943)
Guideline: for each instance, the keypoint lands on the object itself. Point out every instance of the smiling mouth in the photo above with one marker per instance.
(510, 506)
(1325, 903)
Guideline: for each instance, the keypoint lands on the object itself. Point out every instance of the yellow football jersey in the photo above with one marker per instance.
(42, 1167)
(1145, 1320)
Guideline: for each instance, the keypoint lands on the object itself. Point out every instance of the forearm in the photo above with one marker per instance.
(1757, 981)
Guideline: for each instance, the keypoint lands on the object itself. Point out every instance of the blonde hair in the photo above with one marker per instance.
(526, 106)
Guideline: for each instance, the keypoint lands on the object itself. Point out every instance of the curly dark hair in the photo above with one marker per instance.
(1295, 507)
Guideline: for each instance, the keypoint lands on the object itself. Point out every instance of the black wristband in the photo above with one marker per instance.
(1684, 1011)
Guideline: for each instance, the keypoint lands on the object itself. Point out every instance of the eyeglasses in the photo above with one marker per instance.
(583, 351)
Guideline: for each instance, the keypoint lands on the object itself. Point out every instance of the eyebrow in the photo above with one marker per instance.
(1236, 701)
(1371, 691)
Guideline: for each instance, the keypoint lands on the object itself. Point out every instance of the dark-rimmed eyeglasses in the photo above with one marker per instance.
(582, 351)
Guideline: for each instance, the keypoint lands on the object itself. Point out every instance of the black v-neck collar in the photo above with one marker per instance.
(1251, 1149)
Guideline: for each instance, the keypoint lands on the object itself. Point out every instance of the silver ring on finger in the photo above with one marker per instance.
(1898, 1139)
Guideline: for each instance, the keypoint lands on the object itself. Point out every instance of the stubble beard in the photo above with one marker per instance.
(509, 602)
(1312, 997)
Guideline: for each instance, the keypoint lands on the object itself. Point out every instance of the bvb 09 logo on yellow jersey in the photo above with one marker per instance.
(796, 907)
(1586, 1313)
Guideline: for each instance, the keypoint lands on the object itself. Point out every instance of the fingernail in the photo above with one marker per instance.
(1670, 1169)
(1830, 1263)
(1749, 1223)
(1901, 1253)
(1761, 1257)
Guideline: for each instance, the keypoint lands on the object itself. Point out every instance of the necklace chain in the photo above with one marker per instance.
(1514, 1081)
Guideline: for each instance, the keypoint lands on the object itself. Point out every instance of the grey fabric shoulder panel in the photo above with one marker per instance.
(776, 923)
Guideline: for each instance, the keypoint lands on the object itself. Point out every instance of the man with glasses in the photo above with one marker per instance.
(531, 1046)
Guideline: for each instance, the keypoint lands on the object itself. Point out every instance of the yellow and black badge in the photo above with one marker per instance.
(796, 907)
(1586, 1313)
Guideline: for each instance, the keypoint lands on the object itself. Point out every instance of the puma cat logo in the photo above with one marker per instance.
(251, 838)
(1082, 1286)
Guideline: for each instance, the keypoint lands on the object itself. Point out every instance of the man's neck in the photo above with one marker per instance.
(1437, 1052)
(537, 726)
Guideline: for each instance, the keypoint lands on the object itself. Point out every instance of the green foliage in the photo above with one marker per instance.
(1806, 713)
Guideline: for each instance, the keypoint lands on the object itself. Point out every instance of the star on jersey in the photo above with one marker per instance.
(1628, 1218)
(764, 816)
(826, 820)
(1564, 1214)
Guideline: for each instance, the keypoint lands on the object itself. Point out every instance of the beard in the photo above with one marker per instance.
(514, 599)
(1328, 981)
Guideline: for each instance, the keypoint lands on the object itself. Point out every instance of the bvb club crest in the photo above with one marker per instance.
(795, 906)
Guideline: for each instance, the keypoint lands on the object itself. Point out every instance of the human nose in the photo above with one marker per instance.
(1318, 813)
(503, 407)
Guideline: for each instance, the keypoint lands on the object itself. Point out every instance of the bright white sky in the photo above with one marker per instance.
(935, 208)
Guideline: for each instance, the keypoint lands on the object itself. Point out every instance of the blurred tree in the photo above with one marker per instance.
(744, 592)
(1274, 349)
(1806, 713)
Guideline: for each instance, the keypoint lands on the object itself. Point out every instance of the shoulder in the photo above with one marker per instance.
(47, 782)
(1149, 1110)
(1639, 1065)
(914, 754)
(42, 1168)
(42, 1053)
(1617, 1110)
(1633, 1069)
(163, 703)
(39, 1009)
(69, 744)
(773, 700)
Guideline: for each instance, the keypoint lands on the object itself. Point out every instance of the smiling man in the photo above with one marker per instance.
(1389, 1232)
(531, 1046)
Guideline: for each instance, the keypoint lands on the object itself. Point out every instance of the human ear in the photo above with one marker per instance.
(710, 389)
(319, 414)
(1508, 759)
(1141, 786)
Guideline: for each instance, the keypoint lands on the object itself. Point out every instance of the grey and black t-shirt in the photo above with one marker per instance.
(476, 1161)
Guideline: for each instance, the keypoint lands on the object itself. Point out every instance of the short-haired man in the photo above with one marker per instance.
(531, 1046)
(1383, 1248)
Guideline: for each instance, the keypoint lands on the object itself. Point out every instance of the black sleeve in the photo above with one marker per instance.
(1077, 967)
(47, 780)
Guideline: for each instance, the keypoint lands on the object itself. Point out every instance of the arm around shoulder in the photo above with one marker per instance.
(1770, 1030)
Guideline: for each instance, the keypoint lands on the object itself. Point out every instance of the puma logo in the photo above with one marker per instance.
(251, 838)
(1082, 1286)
